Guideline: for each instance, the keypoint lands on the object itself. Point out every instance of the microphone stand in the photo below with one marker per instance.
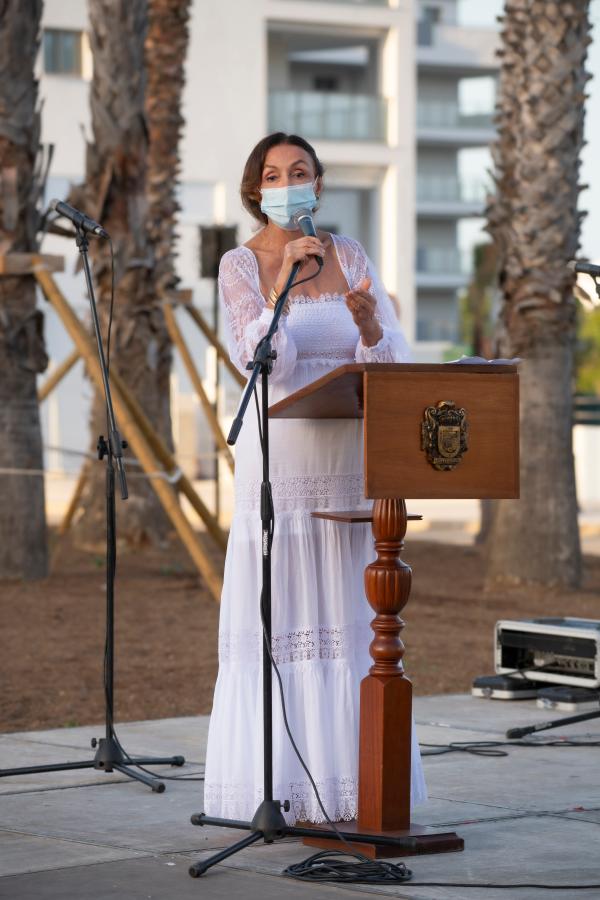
(268, 823)
(110, 754)
(516, 733)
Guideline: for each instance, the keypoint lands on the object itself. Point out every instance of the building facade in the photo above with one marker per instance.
(397, 97)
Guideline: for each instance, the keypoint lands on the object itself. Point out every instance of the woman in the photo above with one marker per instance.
(320, 616)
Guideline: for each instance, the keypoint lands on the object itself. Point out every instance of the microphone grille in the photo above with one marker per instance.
(301, 214)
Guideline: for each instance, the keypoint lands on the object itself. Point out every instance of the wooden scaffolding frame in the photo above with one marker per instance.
(157, 462)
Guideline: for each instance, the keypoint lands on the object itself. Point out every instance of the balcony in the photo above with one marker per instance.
(448, 189)
(442, 268)
(447, 196)
(448, 115)
(437, 329)
(444, 123)
(328, 115)
(456, 50)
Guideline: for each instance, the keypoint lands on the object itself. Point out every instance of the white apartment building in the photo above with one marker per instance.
(397, 97)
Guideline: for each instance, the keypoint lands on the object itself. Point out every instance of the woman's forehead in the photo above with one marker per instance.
(286, 155)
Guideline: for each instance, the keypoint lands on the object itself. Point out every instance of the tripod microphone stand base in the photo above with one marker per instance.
(269, 825)
(109, 757)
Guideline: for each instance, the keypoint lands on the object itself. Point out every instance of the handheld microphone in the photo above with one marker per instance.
(516, 733)
(79, 219)
(303, 219)
(584, 267)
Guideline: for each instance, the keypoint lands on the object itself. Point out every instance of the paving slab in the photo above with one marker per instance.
(162, 878)
(460, 711)
(182, 736)
(122, 815)
(545, 779)
(21, 853)
(532, 849)
(533, 815)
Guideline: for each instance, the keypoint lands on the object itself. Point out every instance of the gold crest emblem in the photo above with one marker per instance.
(444, 435)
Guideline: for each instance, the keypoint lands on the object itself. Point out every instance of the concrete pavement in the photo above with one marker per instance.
(532, 816)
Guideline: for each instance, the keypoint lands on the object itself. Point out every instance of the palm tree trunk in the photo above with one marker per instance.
(166, 48)
(116, 192)
(23, 548)
(535, 225)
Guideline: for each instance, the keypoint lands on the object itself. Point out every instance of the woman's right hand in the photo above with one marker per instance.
(299, 251)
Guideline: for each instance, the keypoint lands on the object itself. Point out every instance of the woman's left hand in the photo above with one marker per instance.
(362, 305)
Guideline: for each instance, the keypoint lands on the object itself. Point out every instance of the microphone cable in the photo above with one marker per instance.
(362, 869)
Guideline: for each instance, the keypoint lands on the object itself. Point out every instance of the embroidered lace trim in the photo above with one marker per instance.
(342, 353)
(304, 492)
(322, 298)
(339, 797)
(306, 644)
(235, 801)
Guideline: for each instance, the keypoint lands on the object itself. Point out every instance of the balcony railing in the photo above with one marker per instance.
(436, 329)
(329, 115)
(433, 114)
(448, 189)
(443, 261)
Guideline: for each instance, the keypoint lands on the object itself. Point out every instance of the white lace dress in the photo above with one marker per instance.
(320, 615)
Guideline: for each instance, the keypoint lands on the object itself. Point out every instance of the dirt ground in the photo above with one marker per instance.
(166, 632)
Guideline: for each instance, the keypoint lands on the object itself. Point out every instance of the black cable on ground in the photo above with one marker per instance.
(492, 748)
(328, 867)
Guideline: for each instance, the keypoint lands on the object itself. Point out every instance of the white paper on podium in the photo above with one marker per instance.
(480, 361)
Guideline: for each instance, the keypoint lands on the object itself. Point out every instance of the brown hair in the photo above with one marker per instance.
(255, 164)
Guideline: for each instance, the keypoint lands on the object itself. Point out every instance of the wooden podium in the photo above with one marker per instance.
(430, 431)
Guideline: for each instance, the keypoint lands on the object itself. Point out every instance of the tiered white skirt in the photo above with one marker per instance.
(320, 625)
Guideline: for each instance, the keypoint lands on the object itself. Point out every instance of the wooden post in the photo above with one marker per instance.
(210, 335)
(75, 498)
(57, 375)
(178, 340)
(26, 263)
(178, 479)
(135, 434)
(386, 694)
(176, 476)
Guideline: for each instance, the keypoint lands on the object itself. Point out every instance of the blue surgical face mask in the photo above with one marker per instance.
(281, 203)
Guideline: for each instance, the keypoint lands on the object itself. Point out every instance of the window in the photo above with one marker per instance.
(430, 16)
(62, 52)
(326, 83)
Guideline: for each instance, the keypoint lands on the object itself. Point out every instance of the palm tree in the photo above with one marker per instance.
(535, 224)
(166, 47)
(116, 192)
(23, 550)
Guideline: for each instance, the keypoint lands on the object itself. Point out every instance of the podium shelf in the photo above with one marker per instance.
(353, 515)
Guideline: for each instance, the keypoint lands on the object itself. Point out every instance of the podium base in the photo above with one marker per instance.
(427, 840)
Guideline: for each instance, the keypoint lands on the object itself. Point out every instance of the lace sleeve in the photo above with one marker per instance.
(247, 318)
(356, 265)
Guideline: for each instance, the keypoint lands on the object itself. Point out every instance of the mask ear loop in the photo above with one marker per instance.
(314, 186)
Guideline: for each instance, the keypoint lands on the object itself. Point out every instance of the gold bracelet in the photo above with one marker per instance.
(273, 298)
